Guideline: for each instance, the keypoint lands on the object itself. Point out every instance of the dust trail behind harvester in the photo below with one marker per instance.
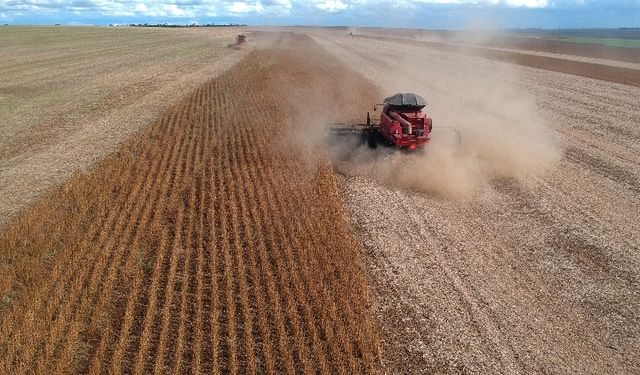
(503, 133)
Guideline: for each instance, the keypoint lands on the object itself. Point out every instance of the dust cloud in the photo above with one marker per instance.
(504, 134)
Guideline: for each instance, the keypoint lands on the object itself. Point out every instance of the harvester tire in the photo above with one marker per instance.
(372, 142)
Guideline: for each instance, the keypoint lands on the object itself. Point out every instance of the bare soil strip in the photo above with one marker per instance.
(546, 44)
(604, 72)
(205, 245)
(597, 51)
(564, 56)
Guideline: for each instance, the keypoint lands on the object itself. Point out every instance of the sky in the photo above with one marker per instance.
(427, 14)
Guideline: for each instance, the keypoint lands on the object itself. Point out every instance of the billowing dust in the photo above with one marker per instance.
(484, 128)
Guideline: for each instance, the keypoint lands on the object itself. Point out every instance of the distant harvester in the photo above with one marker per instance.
(241, 40)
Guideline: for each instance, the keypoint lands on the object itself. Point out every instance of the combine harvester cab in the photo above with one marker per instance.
(403, 123)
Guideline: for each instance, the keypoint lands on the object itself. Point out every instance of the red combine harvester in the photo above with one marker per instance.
(241, 40)
(402, 123)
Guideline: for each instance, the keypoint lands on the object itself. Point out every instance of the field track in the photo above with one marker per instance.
(205, 245)
(584, 69)
(527, 43)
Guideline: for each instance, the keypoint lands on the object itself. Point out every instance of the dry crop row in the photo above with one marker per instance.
(204, 246)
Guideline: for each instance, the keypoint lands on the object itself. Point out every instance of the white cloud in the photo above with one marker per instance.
(528, 3)
(331, 5)
(141, 8)
(511, 3)
(152, 8)
(239, 7)
(245, 8)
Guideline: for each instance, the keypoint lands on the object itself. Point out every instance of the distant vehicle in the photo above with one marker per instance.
(241, 40)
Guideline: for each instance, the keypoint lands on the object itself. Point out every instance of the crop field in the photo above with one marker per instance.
(601, 67)
(515, 251)
(615, 42)
(203, 246)
(182, 213)
(71, 95)
(555, 42)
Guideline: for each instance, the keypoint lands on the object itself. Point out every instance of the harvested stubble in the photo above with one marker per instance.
(206, 245)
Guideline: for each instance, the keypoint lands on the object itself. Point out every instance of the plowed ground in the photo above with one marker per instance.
(205, 245)
(609, 73)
